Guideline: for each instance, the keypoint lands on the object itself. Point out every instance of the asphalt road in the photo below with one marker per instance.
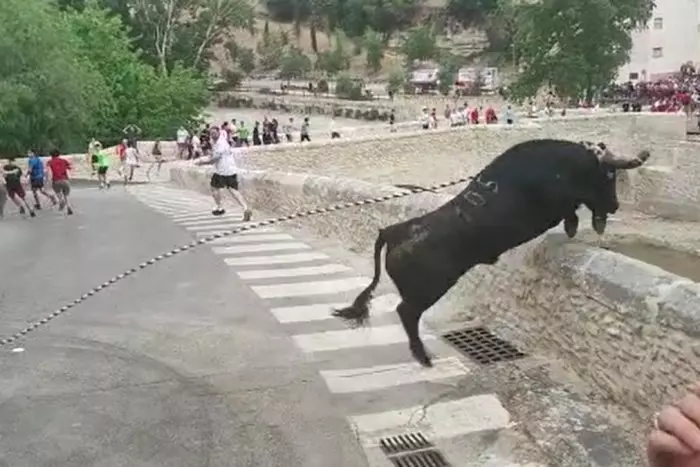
(178, 365)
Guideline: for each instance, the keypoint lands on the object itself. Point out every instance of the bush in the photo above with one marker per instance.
(246, 59)
(232, 78)
(322, 86)
(348, 88)
(397, 79)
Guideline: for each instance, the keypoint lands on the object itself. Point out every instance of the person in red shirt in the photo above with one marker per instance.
(474, 115)
(491, 115)
(59, 169)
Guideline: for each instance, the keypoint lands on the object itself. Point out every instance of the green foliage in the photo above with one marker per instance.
(347, 87)
(448, 68)
(375, 49)
(246, 59)
(335, 60)
(294, 64)
(351, 16)
(577, 47)
(50, 95)
(232, 79)
(397, 79)
(322, 86)
(69, 76)
(471, 12)
(271, 51)
(420, 44)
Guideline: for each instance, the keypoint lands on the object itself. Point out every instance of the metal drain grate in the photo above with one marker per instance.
(403, 443)
(481, 345)
(431, 458)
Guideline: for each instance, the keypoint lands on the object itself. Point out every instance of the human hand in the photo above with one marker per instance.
(675, 440)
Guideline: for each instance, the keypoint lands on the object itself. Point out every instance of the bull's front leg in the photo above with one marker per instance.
(571, 225)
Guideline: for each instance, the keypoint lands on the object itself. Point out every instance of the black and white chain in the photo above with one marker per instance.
(205, 240)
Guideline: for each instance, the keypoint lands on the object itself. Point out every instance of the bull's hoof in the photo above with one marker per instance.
(571, 226)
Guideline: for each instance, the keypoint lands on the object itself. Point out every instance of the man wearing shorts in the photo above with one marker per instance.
(13, 184)
(225, 176)
(36, 179)
(3, 192)
(102, 166)
(59, 169)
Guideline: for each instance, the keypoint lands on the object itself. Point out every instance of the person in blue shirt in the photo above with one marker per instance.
(35, 172)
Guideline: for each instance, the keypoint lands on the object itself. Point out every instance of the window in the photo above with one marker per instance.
(657, 52)
(633, 76)
(658, 23)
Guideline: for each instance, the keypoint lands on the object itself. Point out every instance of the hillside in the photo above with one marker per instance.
(464, 43)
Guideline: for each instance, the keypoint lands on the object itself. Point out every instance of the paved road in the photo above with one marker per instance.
(179, 365)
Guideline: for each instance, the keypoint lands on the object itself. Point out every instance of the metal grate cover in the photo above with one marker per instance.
(412, 450)
(403, 443)
(430, 458)
(481, 345)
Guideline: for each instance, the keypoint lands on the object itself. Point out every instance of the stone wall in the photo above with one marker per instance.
(666, 187)
(626, 325)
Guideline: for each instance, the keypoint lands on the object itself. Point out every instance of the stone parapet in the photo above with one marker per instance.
(626, 325)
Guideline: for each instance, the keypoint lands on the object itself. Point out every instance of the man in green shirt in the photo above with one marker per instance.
(102, 166)
(243, 134)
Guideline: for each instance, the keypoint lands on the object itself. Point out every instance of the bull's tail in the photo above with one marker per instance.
(358, 312)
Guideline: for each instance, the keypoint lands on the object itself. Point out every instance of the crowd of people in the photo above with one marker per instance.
(192, 144)
(679, 91)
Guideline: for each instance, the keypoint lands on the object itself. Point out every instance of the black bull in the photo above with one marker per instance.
(524, 192)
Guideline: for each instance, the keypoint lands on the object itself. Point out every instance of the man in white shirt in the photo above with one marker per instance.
(196, 146)
(182, 136)
(225, 174)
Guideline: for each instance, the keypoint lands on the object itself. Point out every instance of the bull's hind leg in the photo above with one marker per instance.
(410, 317)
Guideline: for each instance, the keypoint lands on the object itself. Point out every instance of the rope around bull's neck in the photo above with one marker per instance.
(254, 225)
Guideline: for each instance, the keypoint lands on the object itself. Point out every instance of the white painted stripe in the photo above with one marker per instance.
(320, 311)
(259, 247)
(217, 226)
(206, 214)
(254, 238)
(439, 420)
(171, 203)
(207, 218)
(212, 232)
(167, 211)
(294, 272)
(305, 289)
(353, 338)
(251, 233)
(211, 220)
(386, 376)
(274, 259)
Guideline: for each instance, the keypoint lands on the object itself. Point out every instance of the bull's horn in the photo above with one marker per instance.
(623, 163)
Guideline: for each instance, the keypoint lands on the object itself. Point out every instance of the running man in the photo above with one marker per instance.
(102, 165)
(59, 169)
(158, 159)
(93, 146)
(13, 184)
(225, 176)
(36, 176)
(131, 161)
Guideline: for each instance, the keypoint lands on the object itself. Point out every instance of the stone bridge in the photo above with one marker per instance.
(622, 311)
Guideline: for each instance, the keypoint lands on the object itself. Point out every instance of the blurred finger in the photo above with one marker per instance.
(661, 443)
(690, 407)
(673, 422)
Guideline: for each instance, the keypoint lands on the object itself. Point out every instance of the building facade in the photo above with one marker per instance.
(671, 38)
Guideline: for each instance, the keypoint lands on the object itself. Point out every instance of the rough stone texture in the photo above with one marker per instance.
(665, 188)
(628, 326)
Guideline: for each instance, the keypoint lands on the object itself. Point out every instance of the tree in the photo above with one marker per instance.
(246, 59)
(471, 12)
(397, 79)
(577, 47)
(155, 102)
(420, 43)
(335, 60)
(50, 96)
(187, 30)
(375, 49)
(294, 64)
(449, 66)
